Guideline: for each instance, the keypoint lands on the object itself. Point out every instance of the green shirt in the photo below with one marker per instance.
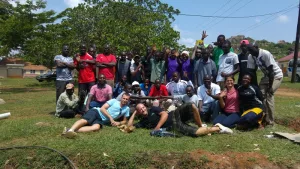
(158, 70)
(217, 53)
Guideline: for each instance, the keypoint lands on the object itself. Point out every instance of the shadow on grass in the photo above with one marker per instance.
(21, 90)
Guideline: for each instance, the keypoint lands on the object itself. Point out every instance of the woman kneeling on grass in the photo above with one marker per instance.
(251, 104)
(229, 103)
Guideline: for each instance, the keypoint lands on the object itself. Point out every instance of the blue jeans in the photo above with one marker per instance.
(210, 111)
(96, 104)
(227, 119)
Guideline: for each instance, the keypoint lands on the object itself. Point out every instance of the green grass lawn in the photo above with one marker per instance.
(31, 102)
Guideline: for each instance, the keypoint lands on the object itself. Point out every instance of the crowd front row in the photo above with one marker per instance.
(234, 106)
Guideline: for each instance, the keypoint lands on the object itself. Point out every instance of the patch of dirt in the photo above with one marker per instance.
(287, 92)
(294, 124)
(204, 159)
(233, 160)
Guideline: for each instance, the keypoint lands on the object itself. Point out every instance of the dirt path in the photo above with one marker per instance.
(287, 92)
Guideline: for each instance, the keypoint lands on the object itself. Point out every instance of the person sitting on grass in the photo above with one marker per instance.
(251, 104)
(100, 92)
(67, 103)
(95, 118)
(208, 95)
(229, 103)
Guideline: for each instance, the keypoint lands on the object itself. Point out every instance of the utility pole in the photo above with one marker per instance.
(296, 48)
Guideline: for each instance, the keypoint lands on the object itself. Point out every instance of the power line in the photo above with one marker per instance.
(222, 14)
(267, 21)
(256, 24)
(222, 6)
(230, 14)
(230, 17)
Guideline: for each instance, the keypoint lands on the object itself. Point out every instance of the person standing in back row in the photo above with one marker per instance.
(271, 80)
(106, 63)
(218, 51)
(85, 65)
(228, 64)
(64, 70)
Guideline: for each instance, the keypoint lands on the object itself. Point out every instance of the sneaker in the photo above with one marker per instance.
(223, 129)
(64, 131)
(70, 134)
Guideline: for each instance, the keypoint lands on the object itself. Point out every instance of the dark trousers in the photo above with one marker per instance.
(85, 87)
(61, 87)
(67, 114)
(227, 119)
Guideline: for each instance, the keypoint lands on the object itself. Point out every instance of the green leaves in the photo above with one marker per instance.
(127, 25)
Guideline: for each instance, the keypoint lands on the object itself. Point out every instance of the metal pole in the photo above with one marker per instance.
(296, 48)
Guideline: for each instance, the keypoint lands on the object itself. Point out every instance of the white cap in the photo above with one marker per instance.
(135, 83)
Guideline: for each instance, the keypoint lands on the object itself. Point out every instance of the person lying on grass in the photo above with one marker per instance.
(176, 119)
(95, 118)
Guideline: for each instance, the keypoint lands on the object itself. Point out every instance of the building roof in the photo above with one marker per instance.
(6, 60)
(288, 57)
(35, 67)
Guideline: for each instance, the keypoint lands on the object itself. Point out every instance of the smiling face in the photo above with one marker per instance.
(189, 91)
(102, 80)
(229, 82)
(246, 80)
(141, 110)
(207, 82)
(125, 99)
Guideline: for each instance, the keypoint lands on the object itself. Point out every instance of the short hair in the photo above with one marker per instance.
(221, 36)
(126, 94)
(227, 42)
(190, 87)
(139, 105)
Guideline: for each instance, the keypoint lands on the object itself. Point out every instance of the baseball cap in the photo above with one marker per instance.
(246, 42)
(135, 83)
(69, 86)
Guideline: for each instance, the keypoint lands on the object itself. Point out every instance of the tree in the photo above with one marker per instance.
(125, 25)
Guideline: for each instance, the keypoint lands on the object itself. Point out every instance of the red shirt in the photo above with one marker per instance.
(108, 72)
(161, 92)
(86, 74)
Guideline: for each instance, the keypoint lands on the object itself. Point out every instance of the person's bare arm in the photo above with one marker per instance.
(221, 99)
(131, 119)
(196, 115)
(98, 64)
(163, 118)
(200, 105)
(124, 121)
(133, 73)
(60, 64)
(87, 106)
(111, 64)
(103, 110)
(109, 96)
(88, 61)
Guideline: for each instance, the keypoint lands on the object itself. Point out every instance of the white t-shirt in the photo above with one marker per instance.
(226, 64)
(178, 88)
(264, 60)
(202, 95)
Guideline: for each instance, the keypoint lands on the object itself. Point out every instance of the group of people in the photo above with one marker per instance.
(168, 89)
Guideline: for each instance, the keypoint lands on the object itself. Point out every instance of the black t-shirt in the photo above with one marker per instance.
(153, 118)
(243, 60)
(250, 97)
(185, 112)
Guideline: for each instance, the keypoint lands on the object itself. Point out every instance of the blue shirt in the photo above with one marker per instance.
(146, 91)
(114, 110)
(64, 73)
